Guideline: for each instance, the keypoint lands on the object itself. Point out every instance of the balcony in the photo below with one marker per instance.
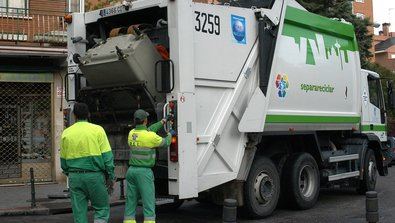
(28, 28)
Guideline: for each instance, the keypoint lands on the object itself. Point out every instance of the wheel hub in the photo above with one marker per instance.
(306, 181)
(372, 171)
(264, 188)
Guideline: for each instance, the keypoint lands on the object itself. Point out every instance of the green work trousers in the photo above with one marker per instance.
(140, 184)
(91, 187)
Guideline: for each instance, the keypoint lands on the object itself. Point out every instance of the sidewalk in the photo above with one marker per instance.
(15, 200)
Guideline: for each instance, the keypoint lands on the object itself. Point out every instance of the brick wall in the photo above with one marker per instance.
(44, 16)
(365, 8)
(51, 7)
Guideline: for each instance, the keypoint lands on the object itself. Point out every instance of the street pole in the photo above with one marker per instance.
(32, 189)
(372, 207)
(229, 214)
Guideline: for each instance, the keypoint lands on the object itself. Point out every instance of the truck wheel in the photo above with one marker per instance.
(262, 189)
(300, 181)
(369, 173)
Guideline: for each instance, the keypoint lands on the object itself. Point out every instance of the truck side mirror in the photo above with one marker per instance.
(390, 94)
(164, 76)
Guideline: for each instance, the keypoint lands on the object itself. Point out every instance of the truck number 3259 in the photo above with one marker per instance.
(207, 23)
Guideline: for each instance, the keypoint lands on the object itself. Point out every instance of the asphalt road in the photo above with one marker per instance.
(334, 206)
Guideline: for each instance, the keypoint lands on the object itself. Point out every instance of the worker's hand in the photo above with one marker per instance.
(168, 118)
(110, 184)
(172, 132)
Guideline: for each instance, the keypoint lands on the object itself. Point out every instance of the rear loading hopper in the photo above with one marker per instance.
(125, 60)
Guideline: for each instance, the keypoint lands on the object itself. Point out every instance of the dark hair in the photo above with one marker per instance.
(137, 121)
(81, 111)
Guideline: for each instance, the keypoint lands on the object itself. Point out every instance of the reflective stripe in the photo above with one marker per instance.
(99, 221)
(149, 221)
(141, 149)
(129, 218)
(141, 157)
(142, 153)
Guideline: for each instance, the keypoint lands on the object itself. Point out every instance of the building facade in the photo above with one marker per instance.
(32, 68)
(385, 47)
(363, 9)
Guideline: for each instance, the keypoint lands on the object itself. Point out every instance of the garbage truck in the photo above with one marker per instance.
(268, 101)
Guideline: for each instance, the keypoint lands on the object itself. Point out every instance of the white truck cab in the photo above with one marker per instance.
(374, 118)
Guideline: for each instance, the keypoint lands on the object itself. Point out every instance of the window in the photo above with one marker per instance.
(361, 1)
(14, 7)
(392, 56)
(360, 15)
(374, 91)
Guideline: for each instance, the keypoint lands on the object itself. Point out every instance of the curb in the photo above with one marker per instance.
(66, 207)
(60, 209)
(25, 211)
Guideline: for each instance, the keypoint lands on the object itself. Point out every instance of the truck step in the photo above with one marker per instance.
(335, 159)
(343, 176)
(160, 201)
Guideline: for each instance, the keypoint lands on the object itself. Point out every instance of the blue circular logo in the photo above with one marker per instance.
(238, 30)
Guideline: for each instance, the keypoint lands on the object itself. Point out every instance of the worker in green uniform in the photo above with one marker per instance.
(86, 157)
(140, 179)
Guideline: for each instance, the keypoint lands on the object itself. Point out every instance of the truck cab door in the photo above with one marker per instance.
(376, 109)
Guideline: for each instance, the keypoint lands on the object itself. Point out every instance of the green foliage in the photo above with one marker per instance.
(342, 9)
(384, 72)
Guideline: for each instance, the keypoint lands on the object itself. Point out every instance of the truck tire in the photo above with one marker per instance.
(300, 181)
(369, 173)
(262, 189)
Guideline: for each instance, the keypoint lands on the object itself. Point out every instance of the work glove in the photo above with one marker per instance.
(172, 132)
(167, 118)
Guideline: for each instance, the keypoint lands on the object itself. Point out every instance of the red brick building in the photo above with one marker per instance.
(364, 9)
(385, 47)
